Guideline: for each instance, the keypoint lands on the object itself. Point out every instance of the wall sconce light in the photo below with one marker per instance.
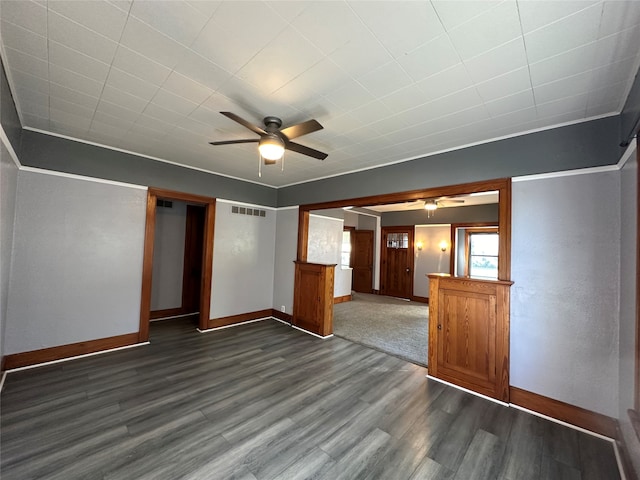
(419, 245)
(443, 245)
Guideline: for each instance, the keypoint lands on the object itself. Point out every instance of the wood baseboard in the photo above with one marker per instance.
(34, 357)
(581, 417)
(242, 317)
(344, 298)
(417, 298)
(285, 317)
(167, 312)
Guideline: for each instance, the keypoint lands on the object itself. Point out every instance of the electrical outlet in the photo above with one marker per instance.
(283, 308)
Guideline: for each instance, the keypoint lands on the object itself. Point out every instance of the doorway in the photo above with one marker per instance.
(198, 279)
(362, 260)
(397, 262)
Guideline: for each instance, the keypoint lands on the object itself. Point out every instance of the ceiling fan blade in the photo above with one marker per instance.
(310, 152)
(300, 129)
(230, 142)
(244, 123)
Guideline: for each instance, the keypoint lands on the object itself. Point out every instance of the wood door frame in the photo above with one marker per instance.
(502, 185)
(467, 241)
(186, 274)
(147, 263)
(410, 254)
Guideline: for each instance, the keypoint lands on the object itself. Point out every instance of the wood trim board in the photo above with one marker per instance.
(342, 299)
(34, 357)
(167, 312)
(242, 317)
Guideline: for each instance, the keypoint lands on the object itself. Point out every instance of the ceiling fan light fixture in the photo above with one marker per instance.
(430, 205)
(271, 147)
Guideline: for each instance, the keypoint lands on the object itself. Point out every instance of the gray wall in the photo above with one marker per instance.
(59, 154)
(286, 249)
(431, 259)
(587, 144)
(8, 183)
(628, 292)
(564, 303)
(77, 262)
(630, 117)
(472, 213)
(168, 256)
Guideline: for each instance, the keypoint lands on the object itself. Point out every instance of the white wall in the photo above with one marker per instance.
(77, 261)
(285, 253)
(325, 245)
(243, 261)
(431, 259)
(564, 304)
(168, 256)
(8, 184)
(628, 292)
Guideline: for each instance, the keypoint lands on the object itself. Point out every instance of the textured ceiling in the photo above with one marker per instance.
(389, 80)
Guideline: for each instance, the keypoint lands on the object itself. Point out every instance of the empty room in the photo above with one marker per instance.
(192, 191)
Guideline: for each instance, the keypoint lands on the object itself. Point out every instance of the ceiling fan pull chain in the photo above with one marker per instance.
(282, 162)
(260, 165)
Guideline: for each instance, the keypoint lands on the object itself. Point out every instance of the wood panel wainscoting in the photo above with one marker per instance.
(34, 357)
(469, 333)
(313, 297)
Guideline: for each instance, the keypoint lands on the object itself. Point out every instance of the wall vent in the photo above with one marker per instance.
(252, 212)
(164, 203)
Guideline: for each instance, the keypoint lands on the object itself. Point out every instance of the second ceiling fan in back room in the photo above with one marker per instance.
(274, 141)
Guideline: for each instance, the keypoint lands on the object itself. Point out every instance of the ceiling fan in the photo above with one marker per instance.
(433, 204)
(273, 140)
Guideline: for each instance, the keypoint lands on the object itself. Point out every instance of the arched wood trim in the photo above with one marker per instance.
(147, 264)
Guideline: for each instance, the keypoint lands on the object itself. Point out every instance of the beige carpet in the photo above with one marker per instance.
(387, 324)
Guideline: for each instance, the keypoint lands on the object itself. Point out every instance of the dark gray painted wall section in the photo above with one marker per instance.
(8, 114)
(587, 144)
(62, 155)
(472, 213)
(630, 117)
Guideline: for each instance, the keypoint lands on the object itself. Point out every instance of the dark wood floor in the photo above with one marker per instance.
(265, 401)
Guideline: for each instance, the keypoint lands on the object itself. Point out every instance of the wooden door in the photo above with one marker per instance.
(397, 262)
(362, 260)
(193, 249)
(469, 333)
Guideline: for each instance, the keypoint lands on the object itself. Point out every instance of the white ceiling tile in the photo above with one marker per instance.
(77, 62)
(573, 31)
(147, 41)
(72, 80)
(342, 124)
(514, 118)
(351, 57)
(386, 78)
(619, 15)
(201, 70)
(488, 30)
(139, 66)
(195, 127)
(559, 107)
(498, 61)
(323, 77)
(64, 106)
(97, 15)
(406, 98)
(370, 112)
(613, 73)
(609, 96)
(445, 82)
(207, 8)
(130, 84)
(34, 121)
(187, 88)
(351, 95)
(124, 5)
(284, 58)
(206, 116)
(164, 115)
(618, 46)
(70, 95)
(565, 87)
(131, 102)
(178, 20)
(25, 13)
(512, 103)
(400, 26)
(105, 134)
(259, 25)
(33, 102)
(170, 101)
(453, 14)
(24, 40)
(27, 63)
(30, 82)
(76, 121)
(106, 111)
(507, 84)
(602, 109)
(564, 65)
(77, 37)
(431, 58)
(537, 14)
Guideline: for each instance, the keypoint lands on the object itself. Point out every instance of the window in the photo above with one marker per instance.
(345, 253)
(482, 253)
(398, 240)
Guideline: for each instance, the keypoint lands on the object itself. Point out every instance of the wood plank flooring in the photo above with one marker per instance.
(265, 401)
